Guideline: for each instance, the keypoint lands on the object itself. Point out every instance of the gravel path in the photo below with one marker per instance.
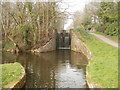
(106, 40)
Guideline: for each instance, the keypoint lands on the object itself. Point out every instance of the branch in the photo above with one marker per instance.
(14, 18)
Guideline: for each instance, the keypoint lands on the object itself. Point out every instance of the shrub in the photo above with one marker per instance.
(112, 29)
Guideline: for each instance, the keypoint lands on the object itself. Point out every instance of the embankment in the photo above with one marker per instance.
(13, 75)
(102, 70)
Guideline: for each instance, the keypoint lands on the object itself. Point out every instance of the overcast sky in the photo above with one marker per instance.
(73, 6)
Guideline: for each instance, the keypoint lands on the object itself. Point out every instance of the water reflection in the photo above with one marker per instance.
(57, 69)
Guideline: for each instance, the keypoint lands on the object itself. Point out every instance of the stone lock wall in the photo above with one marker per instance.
(78, 46)
(49, 46)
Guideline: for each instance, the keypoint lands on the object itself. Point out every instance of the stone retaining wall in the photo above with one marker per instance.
(78, 46)
(49, 46)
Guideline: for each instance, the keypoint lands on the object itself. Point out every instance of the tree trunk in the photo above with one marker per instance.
(47, 21)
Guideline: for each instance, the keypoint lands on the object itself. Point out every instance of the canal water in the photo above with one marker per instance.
(56, 69)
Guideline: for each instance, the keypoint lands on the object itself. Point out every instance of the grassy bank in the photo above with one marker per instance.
(10, 72)
(103, 68)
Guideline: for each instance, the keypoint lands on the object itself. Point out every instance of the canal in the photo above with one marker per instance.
(56, 69)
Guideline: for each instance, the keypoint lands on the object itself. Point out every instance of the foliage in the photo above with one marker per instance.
(103, 68)
(108, 13)
(88, 18)
(85, 34)
(26, 33)
(112, 29)
(87, 22)
(103, 17)
(27, 23)
(7, 45)
(100, 27)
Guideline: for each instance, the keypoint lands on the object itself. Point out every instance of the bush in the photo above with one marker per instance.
(112, 29)
(7, 45)
(100, 28)
(108, 28)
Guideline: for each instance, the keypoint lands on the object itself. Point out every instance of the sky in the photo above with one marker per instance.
(73, 6)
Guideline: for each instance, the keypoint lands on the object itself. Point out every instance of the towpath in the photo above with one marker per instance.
(103, 38)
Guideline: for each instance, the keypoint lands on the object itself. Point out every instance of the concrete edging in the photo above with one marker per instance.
(90, 85)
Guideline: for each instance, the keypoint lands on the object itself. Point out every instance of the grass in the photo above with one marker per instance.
(10, 72)
(103, 68)
(114, 38)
